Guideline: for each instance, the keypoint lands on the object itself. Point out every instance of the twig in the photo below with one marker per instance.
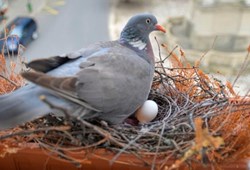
(208, 49)
(159, 50)
(127, 146)
(28, 132)
(101, 132)
(60, 153)
(171, 52)
(10, 81)
(242, 69)
(158, 145)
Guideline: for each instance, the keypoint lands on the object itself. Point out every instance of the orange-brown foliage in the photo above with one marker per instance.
(232, 122)
(9, 78)
(203, 140)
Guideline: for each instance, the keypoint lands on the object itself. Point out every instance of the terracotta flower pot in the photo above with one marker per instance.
(32, 157)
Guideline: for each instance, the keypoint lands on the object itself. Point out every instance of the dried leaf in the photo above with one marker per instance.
(230, 88)
(203, 139)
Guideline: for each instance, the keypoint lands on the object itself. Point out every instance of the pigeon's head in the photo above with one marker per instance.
(137, 30)
(144, 24)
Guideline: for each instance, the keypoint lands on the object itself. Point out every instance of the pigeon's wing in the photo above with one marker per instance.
(47, 64)
(118, 83)
(62, 86)
(113, 80)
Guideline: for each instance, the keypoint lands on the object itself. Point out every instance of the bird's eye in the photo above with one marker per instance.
(148, 21)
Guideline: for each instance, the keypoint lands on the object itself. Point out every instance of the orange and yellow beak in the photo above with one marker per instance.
(160, 28)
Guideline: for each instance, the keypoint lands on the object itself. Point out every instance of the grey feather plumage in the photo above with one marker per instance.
(110, 80)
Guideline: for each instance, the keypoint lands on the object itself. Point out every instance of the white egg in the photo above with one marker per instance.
(147, 112)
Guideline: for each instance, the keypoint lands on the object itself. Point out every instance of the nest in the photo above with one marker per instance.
(200, 120)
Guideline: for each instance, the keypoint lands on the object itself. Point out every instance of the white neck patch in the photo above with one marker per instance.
(138, 44)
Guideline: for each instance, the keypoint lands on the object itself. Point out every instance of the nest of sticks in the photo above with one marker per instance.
(200, 119)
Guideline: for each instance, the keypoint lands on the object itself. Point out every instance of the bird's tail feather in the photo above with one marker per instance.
(21, 106)
(24, 105)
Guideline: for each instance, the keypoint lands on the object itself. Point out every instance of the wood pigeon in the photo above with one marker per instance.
(107, 80)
